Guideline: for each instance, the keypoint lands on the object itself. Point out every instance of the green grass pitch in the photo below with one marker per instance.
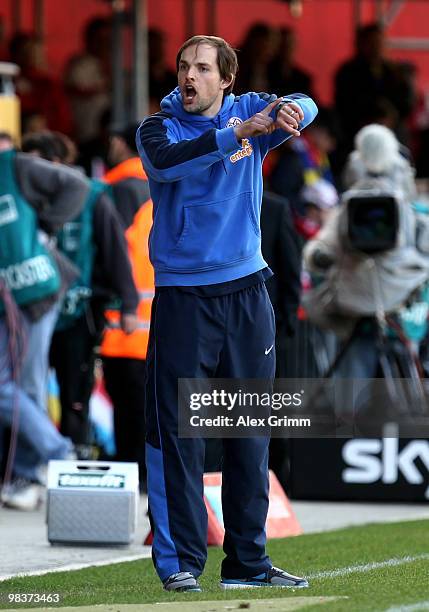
(371, 568)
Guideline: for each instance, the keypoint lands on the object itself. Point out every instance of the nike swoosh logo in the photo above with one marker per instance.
(268, 350)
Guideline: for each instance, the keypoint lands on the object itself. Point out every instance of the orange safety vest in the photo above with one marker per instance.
(115, 342)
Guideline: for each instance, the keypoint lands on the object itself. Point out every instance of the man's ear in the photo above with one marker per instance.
(226, 82)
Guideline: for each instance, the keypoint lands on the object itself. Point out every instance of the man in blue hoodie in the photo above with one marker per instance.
(211, 315)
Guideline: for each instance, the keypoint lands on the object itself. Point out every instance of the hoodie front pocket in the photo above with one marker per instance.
(217, 233)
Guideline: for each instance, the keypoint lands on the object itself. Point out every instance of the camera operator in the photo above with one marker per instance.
(373, 142)
(371, 256)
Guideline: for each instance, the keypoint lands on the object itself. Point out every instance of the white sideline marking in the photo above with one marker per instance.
(342, 571)
(77, 566)
(368, 567)
(417, 607)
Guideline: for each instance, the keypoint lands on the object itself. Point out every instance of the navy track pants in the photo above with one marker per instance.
(197, 337)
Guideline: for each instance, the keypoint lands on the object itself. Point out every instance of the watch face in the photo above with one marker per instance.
(234, 121)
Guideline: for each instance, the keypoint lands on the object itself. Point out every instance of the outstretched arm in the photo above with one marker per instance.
(166, 159)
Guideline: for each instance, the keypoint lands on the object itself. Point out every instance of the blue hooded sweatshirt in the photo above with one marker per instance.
(207, 189)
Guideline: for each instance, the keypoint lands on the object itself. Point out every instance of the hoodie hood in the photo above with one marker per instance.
(172, 104)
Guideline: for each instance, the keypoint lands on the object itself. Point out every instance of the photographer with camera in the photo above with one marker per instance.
(371, 257)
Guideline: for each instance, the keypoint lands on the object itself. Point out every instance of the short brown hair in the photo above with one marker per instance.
(226, 56)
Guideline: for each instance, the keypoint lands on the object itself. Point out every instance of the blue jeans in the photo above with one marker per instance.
(35, 367)
(38, 439)
(359, 363)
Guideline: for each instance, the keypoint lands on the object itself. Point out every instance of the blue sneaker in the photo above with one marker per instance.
(274, 577)
(181, 582)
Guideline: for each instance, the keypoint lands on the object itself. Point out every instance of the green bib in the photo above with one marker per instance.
(76, 241)
(26, 266)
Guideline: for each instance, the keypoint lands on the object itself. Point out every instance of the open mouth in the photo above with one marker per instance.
(189, 94)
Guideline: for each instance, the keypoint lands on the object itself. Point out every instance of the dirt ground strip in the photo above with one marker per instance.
(255, 605)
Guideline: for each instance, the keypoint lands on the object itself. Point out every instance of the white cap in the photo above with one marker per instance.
(378, 148)
(322, 194)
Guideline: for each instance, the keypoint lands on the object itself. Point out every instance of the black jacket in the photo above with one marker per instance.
(112, 275)
(281, 248)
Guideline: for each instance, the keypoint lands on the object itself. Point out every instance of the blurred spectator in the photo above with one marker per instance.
(318, 200)
(6, 141)
(162, 80)
(40, 94)
(88, 79)
(93, 153)
(365, 79)
(303, 161)
(256, 52)
(95, 243)
(33, 122)
(36, 196)
(283, 74)
(67, 149)
(315, 147)
(124, 356)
